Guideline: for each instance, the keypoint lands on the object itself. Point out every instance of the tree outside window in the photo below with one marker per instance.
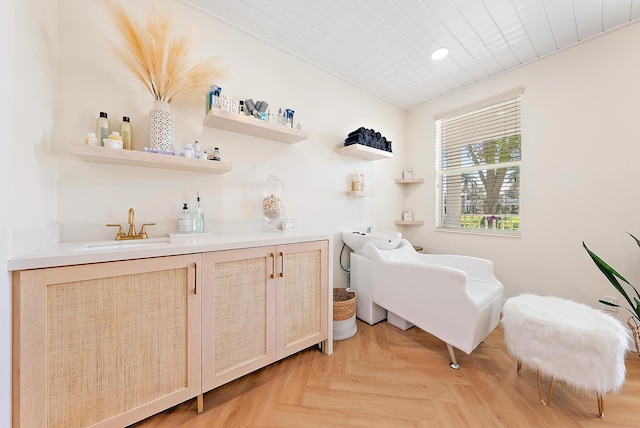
(478, 156)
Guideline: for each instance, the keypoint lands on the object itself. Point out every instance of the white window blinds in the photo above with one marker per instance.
(478, 156)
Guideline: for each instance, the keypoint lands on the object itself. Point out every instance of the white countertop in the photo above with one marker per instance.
(83, 252)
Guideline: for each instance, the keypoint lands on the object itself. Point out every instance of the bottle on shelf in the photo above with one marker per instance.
(216, 155)
(210, 96)
(216, 97)
(357, 182)
(198, 216)
(91, 139)
(185, 222)
(103, 128)
(115, 135)
(126, 133)
(288, 118)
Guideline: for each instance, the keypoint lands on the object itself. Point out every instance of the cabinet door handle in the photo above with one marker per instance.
(273, 265)
(281, 264)
(195, 282)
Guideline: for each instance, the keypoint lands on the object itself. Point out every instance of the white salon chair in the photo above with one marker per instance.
(455, 298)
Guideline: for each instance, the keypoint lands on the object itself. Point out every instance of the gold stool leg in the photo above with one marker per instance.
(600, 405)
(548, 402)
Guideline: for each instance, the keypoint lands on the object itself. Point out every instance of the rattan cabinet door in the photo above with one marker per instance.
(238, 313)
(302, 275)
(105, 344)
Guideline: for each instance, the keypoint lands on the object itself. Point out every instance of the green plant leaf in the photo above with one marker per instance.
(637, 294)
(636, 239)
(611, 275)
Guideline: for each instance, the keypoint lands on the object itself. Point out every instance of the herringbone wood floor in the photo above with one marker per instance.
(385, 377)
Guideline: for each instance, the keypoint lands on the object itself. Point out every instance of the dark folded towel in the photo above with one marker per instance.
(368, 137)
(357, 131)
(357, 139)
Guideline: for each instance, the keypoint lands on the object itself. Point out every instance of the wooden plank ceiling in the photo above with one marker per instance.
(384, 46)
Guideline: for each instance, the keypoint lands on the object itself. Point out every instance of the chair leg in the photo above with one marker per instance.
(548, 402)
(452, 355)
(519, 367)
(600, 405)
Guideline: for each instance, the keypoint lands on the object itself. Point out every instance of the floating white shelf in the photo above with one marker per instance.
(357, 193)
(364, 152)
(247, 125)
(409, 180)
(410, 223)
(101, 154)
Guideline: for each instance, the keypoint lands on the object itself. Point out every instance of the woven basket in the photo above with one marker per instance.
(344, 303)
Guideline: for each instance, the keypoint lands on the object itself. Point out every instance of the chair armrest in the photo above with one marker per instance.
(476, 268)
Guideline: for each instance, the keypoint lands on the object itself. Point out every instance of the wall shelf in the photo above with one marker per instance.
(357, 193)
(410, 223)
(409, 180)
(247, 125)
(364, 152)
(101, 154)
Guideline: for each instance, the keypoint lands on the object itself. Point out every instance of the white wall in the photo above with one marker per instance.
(316, 177)
(6, 216)
(28, 165)
(579, 170)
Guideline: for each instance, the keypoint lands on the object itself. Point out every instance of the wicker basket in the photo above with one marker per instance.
(344, 303)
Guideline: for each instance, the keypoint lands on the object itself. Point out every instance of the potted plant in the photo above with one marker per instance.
(634, 300)
(160, 62)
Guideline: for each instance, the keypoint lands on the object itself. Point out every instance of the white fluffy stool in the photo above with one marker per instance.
(568, 341)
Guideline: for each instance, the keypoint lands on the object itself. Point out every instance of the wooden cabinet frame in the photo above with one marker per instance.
(279, 273)
(38, 302)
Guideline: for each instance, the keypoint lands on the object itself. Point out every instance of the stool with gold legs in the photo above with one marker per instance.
(599, 396)
(565, 341)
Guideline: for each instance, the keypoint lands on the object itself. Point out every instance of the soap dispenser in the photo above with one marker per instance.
(185, 222)
(198, 217)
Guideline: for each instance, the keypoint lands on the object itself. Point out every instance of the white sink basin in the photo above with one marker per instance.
(383, 239)
(125, 245)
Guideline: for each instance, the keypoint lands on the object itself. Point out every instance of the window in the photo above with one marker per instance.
(478, 156)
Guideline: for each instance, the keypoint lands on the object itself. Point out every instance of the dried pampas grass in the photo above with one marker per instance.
(158, 60)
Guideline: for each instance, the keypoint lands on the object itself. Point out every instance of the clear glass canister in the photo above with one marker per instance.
(271, 200)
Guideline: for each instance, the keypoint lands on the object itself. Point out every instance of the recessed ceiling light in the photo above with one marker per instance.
(439, 53)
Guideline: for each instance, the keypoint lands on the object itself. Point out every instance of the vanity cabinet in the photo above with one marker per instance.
(260, 305)
(105, 344)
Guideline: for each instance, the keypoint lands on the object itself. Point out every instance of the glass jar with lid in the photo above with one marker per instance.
(271, 200)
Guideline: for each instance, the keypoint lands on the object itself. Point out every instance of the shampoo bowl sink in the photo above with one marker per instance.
(125, 245)
(383, 239)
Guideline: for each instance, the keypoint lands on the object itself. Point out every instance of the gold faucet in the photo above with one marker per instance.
(132, 229)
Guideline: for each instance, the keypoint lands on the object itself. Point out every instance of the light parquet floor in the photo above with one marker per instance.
(386, 377)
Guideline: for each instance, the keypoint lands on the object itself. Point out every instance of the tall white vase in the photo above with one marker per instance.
(161, 126)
